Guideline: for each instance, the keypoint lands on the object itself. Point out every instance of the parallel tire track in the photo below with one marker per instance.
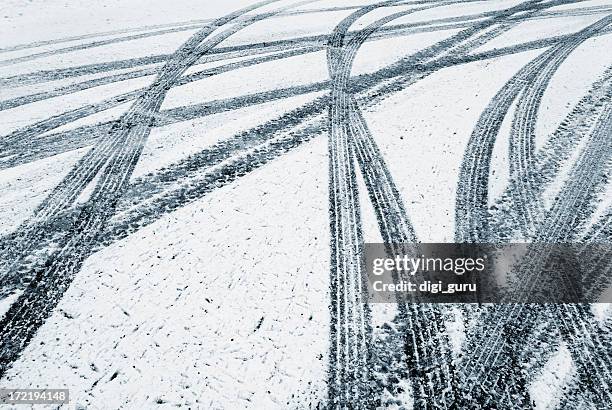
(364, 81)
(241, 50)
(588, 352)
(348, 124)
(522, 139)
(119, 158)
(471, 210)
(350, 328)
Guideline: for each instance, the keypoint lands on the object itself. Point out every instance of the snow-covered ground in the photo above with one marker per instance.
(183, 260)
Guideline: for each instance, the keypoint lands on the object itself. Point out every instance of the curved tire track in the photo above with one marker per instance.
(119, 158)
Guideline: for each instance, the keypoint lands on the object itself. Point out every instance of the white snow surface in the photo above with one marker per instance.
(224, 302)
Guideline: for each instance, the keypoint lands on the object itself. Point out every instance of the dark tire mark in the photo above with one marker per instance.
(157, 30)
(588, 351)
(471, 210)
(422, 322)
(538, 348)
(125, 143)
(237, 51)
(19, 101)
(556, 151)
(363, 82)
(358, 84)
(522, 138)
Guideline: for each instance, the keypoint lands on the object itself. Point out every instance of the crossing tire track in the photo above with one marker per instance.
(352, 132)
(471, 210)
(257, 48)
(92, 133)
(522, 138)
(556, 151)
(43, 293)
(561, 221)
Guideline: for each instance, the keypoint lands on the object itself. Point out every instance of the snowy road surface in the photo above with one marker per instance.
(186, 189)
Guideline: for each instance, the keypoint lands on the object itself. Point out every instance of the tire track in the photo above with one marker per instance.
(416, 60)
(426, 321)
(22, 135)
(184, 27)
(350, 328)
(364, 82)
(522, 138)
(47, 145)
(154, 184)
(67, 191)
(67, 117)
(524, 118)
(588, 350)
(150, 197)
(591, 348)
(163, 29)
(255, 48)
(548, 161)
(198, 23)
(93, 44)
(555, 152)
(62, 119)
(35, 304)
(471, 209)
(348, 124)
(578, 394)
(41, 43)
(238, 170)
(49, 124)
(13, 141)
(209, 72)
(315, 42)
(358, 84)
(113, 102)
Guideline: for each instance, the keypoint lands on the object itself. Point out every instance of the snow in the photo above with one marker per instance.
(174, 308)
(224, 302)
